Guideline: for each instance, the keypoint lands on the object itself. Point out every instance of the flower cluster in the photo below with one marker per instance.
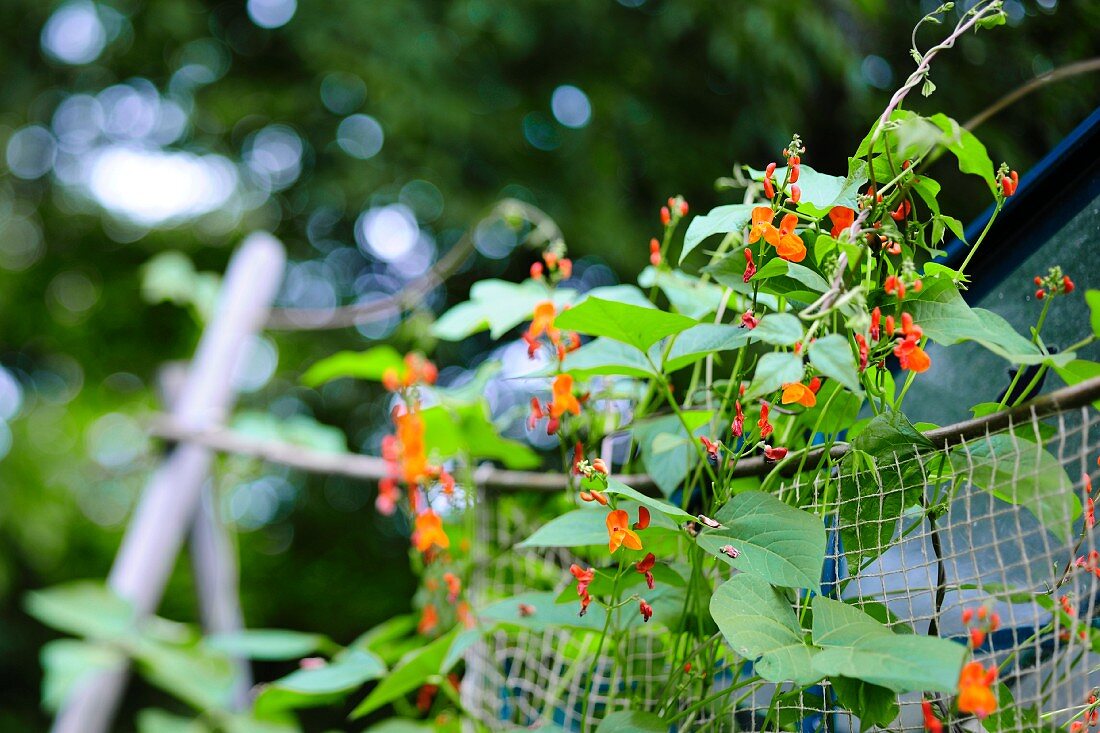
(405, 452)
(542, 331)
(584, 579)
(1090, 716)
(562, 401)
(557, 267)
(1055, 282)
(979, 623)
(1009, 180)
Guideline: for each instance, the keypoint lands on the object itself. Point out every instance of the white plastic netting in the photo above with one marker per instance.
(988, 547)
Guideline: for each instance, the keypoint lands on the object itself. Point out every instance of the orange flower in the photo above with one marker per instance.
(911, 355)
(620, 533)
(789, 245)
(429, 619)
(429, 531)
(975, 695)
(842, 218)
(543, 321)
(762, 225)
(800, 393)
(410, 436)
(564, 401)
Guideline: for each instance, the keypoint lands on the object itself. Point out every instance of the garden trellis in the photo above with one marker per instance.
(526, 676)
(804, 567)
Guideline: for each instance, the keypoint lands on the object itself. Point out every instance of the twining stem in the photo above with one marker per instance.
(599, 647)
(981, 237)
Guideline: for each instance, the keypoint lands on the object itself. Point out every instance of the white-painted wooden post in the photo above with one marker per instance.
(169, 504)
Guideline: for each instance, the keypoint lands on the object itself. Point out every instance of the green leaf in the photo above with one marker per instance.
(915, 137)
(720, 220)
(772, 372)
(66, 663)
(626, 721)
(760, 625)
(585, 526)
(460, 322)
(607, 356)
(306, 688)
(631, 324)
(832, 355)
(857, 646)
(790, 279)
(967, 148)
(403, 725)
(668, 453)
(1092, 298)
(541, 612)
(780, 329)
(1078, 371)
(836, 409)
(498, 305)
(781, 544)
(411, 672)
(267, 644)
(872, 704)
(577, 528)
(879, 478)
(625, 293)
(946, 318)
(369, 364)
(1022, 472)
(154, 720)
(450, 431)
(614, 486)
(820, 191)
(190, 673)
(688, 295)
(83, 608)
(699, 341)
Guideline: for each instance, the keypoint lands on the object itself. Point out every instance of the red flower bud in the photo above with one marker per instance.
(796, 194)
(655, 259)
(1067, 284)
(1040, 294)
(794, 174)
(769, 190)
(666, 216)
(683, 208)
(536, 270)
(654, 245)
(750, 266)
(769, 171)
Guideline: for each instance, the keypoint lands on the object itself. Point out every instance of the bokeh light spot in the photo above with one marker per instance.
(271, 13)
(388, 232)
(31, 152)
(571, 106)
(360, 136)
(74, 34)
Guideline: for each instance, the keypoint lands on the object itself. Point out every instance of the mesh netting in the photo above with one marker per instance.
(988, 546)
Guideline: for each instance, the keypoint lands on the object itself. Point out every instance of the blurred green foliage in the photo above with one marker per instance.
(679, 92)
